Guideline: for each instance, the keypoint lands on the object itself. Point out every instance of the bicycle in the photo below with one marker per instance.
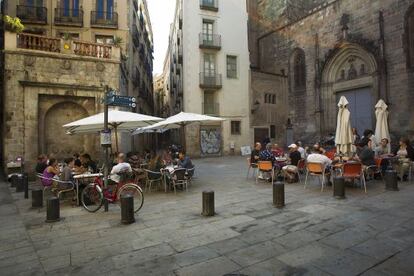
(93, 194)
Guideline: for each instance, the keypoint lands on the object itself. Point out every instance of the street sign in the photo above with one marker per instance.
(117, 100)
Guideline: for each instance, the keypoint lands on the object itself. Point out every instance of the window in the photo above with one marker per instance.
(410, 36)
(298, 67)
(270, 98)
(207, 31)
(70, 7)
(232, 67)
(272, 131)
(209, 65)
(73, 36)
(105, 39)
(235, 127)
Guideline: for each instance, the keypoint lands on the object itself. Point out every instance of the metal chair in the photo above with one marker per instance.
(354, 170)
(152, 177)
(301, 166)
(47, 184)
(252, 166)
(265, 166)
(315, 169)
(190, 174)
(179, 178)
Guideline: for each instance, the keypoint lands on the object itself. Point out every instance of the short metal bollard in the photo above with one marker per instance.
(13, 180)
(37, 198)
(20, 183)
(339, 187)
(279, 194)
(26, 185)
(53, 210)
(391, 180)
(208, 203)
(127, 209)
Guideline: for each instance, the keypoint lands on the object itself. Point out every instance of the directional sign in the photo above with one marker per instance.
(116, 100)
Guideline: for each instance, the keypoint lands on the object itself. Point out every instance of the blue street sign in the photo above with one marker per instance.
(116, 100)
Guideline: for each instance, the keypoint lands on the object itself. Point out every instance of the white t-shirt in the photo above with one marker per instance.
(120, 167)
(319, 158)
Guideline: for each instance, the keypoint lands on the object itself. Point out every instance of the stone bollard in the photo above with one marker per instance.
(391, 180)
(13, 180)
(127, 209)
(37, 198)
(26, 185)
(208, 203)
(279, 194)
(53, 209)
(339, 187)
(20, 183)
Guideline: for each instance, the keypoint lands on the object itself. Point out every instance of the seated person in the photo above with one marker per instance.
(383, 149)
(267, 155)
(184, 161)
(366, 155)
(77, 167)
(254, 156)
(405, 153)
(67, 172)
(277, 151)
(301, 150)
(317, 148)
(88, 164)
(50, 172)
(291, 171)
(41, 163)
(121, 167)
(316, 157)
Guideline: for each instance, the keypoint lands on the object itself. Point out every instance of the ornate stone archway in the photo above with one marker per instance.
(350, 67)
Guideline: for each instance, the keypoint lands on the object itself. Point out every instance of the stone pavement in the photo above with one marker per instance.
(315, 234)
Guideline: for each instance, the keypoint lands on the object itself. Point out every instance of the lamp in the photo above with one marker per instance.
(256, 106)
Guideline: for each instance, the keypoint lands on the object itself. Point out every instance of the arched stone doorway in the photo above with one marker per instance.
(55, 140)
(351, 71)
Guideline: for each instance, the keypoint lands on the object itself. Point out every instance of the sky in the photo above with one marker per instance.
(161, 15)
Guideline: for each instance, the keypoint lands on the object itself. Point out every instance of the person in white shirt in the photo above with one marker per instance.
(316, 157)
(301, 150)
(122, 166)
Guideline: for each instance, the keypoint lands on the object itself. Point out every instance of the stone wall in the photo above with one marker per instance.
(338, 32)
(43, 91)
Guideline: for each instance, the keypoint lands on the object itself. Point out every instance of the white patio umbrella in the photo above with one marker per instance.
(343, 136)
(117, 120)
(181, 120)
(381, 127)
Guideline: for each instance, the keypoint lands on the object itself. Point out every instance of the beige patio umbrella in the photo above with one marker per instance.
(381, 127)
(343, 136)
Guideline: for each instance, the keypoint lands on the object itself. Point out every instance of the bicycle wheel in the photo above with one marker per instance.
(136, 192)
(92, 198)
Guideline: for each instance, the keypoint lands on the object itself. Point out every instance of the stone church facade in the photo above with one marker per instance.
(324, 49)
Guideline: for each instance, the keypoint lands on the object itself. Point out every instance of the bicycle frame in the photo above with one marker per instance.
(110, 196)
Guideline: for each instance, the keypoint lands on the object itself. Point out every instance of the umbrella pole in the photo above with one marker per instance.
(116, 140)
(183, 141)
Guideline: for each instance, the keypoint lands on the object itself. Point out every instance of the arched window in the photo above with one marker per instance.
(409, 27)
(298, 70)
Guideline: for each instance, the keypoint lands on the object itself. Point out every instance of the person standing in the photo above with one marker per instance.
(301, 150)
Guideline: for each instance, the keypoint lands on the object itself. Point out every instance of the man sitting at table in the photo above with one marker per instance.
(291, 171)
(184, 161)
(317, 157)
(121, 167)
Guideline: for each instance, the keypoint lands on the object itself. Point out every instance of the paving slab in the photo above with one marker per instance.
(217, 266)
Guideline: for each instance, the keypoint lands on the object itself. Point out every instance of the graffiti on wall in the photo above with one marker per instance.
(210, 141)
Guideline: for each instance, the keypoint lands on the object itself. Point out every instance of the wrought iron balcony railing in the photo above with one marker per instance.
(210, 80)
(210, 41)
(69, 17)
(104, 19)
(32, 14)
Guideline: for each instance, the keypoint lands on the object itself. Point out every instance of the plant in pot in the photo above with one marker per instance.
(13, 24)
(117, 41)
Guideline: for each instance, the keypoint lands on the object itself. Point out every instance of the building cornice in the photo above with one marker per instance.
(62, 85)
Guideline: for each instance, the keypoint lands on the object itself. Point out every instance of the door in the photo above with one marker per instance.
(207, 32)
(209, 68)
(210, 141)
(360, 106)
(260, 134)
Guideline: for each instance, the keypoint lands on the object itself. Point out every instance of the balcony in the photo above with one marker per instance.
(67, 17)
(135, 4)
(136, 78)
(180, 55)
(210, 80)
(103, 19)
(57, 45)
(135, 36)
(210, 5)
(212, 109)
(209, 41)
(180, 20)
(178, 69)
(31, 14)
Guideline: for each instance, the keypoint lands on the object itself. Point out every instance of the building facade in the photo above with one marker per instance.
(330, 48)
(209, 73)
(56, 71)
